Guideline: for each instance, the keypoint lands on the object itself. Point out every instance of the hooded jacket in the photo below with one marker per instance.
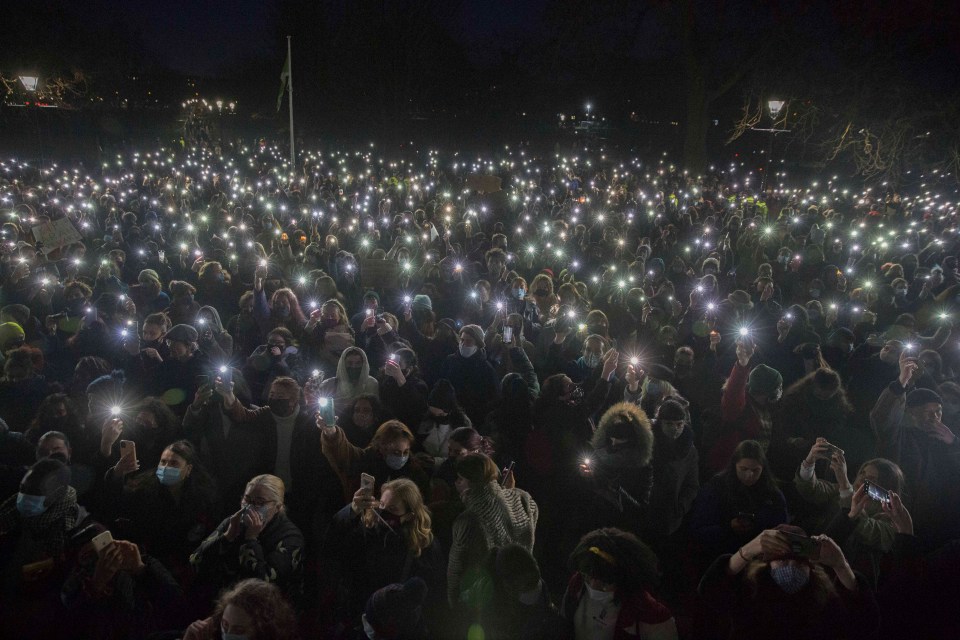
(221, 347)
(342, 390)
(623, 468)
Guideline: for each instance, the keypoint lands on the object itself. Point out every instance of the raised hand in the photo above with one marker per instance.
(908, 368)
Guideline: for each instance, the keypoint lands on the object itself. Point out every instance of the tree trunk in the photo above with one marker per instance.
(695, 127)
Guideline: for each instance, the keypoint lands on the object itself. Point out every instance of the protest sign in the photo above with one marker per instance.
(56, 235)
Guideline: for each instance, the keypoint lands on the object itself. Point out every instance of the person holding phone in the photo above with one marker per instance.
(736, 504)
(385, 539)
(783, 584)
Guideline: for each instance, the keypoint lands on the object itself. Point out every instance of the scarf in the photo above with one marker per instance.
(503, 515)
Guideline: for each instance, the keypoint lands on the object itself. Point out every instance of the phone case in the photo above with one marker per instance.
(101, 540)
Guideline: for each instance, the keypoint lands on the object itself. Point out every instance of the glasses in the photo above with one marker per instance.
(255, 502)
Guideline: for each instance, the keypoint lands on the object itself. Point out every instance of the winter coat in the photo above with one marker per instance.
(474, 380)
(742, 419)
(313, 483)
(676, 481)
(276, 555)
(931, 467)
(765, 611)
(641, 615)
(349, 461)
(407, 403)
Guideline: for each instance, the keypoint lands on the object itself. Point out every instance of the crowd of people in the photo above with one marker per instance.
(440, 396)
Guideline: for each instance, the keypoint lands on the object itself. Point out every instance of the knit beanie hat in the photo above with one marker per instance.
(422, 303)
(475, 332)
(443, 396)
(10, 332)
(919, 397)
(765, 380)
(148, 274)
(741, 299)
(671, 409)
(394, 610)
(182, 333)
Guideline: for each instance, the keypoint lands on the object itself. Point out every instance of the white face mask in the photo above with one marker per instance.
(602, 597)
(466, 351)
(530, 598)
(367, 629)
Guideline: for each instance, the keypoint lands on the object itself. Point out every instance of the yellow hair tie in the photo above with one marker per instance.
(603, 554)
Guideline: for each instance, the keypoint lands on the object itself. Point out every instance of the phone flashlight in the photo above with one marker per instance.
(115, 410)
(744, 331)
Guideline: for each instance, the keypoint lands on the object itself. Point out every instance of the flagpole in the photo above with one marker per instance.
(293, 156)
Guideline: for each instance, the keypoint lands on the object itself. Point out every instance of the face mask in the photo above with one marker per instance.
(328, 323)
(783, 259)
(814, 293)
(75, 307)
(591, 360)
(30, 506)
(392, 521)
(596, 595)
(280, 407)
(232, 636)
(283, 312)
(396, 462)
(367, 629)
(354, 373)
(540, 293)
(466, 351)
(168, 476)
(520, 293)
(900, 293)
(791, 578)
(530, 598)
(599, 329)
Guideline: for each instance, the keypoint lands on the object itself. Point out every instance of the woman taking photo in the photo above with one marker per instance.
(777, 585)
(258, 541)
(386, 540)
(493, 516)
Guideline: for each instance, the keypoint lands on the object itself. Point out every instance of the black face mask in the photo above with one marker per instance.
(600, 329)
(393, 521)
(282, 408)
(354, 373)
(75, 307)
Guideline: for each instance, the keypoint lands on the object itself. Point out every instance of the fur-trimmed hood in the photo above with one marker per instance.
(638, 423)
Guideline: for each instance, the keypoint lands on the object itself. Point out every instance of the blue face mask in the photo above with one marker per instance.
(789, 577)
(233, 636)
(591, 360)
(168, 476)
(30, 506)
(520, 293)
(396, 462)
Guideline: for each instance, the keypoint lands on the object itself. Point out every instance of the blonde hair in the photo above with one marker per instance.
(416, 529)
(272, 484)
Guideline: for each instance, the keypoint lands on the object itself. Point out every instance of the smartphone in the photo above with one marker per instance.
(367, 483)
(508, 334)
(101, 540)
(801, 545)
(128, 449)
(747, 516)
(326, 410)
(832, 449)
(876, 492)
(201, 380)
(505, 472)
(225, 374)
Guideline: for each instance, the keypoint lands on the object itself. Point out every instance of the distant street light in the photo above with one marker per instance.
(775, 106)
(30, 83)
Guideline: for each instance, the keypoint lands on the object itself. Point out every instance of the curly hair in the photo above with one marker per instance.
(617, 557)
(273, 617)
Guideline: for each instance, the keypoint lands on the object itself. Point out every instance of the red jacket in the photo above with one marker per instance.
(740, 420)
(636, 609)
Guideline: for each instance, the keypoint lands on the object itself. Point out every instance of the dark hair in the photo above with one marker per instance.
(752, 450)
(617, 557)
(550, 392)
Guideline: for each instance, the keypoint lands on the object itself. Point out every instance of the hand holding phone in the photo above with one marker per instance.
(507, 334)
